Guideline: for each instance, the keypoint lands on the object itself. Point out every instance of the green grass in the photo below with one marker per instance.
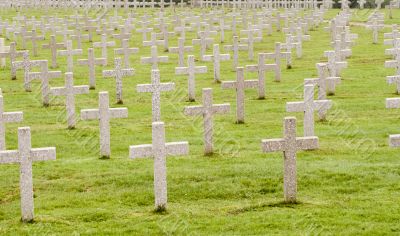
(349, 186)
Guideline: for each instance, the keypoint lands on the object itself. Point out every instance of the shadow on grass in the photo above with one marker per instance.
(256, 207)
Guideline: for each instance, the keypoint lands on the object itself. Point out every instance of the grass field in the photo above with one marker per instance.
(350, 186)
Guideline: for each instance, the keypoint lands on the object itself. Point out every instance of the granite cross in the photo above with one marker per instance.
(156, 87)
(181, 49)
(308, 106)
(91, 62)
(235, 47)
(118, 73)
(53, 46)
(25, 156)
(69, 91)
(191, 70)
(69, 53)
(154, 59)
(104, 45)
(289, 145)
(126, 51)
(104, 113)
(207, 110)
(159, 150)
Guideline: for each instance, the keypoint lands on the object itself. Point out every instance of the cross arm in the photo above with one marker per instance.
(181, 70)
(392, 102)
(200, 69)
(307, 143)
(228, 84)
(141, 151)
(177, 148)
(221, 108)
(144, 88)
(58, 91)
(9, 157)
(273, 145)
(193, 110)
(118, 113)
(394, 140)
(81, 89)
(43, 154)
(13, 117)
(108, 73)
(295, 106)
(90, 114)
(323, 104)
(392, 79)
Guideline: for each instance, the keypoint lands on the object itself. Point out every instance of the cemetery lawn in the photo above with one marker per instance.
(350, 186)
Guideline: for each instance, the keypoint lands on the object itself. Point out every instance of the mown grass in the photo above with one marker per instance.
(349, 186)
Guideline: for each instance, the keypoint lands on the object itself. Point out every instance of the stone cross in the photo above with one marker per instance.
(123, 36)
(182, 29)
(181, 49)
(261, 68)
(104, 113)
(53, 46)
(207, 110)
(44, 76)
(159, 150)
(69, 91)
(144, 32)
(240, 85)
(393, 103)
(27, 65)
(153, 41)
(222, 27)
(165, 35)
(33, 38)
(69, 53)
(289, 145)
(204, 42)
(154, 59)
(375, 26)
(25, 156)
(126, 51)
(250, 40)
(326, 84)
(394, 63)
(156, 87)
(104, 45)
(235, 47)
(78, 36)
(118, 73)
(91, 62)
(395, 79)
(13, 54)
(7, 117)
(216, 58)
(290, 44)
(3, 52)
(277, 56)
(334, 66)
(191, 70)
(308, 106)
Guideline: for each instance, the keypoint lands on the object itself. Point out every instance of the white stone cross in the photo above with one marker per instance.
(277, 56)
(27, 65)
(191, 70)
(104, 113)
(33, 38)
(78, 37)
(154, 59)
(290, 44)
(375, 26)
(235, 47)
(13, 54)
(240, 85)
(156, 87)
(159, 150)
(308, 107)
(25, 156)
(69, 91)
(204, 42)
(144, 30)
(7, 117)
(261, 68)
(104, 45)
(44, 76)
(216, 58)
(207, 110)
(118, 73)
(69, 53)
(91, 62)
(289, 145)
(53, 46)
(334, 66)
(250, 40)
(326, 84)
(181, 49)
(153, 41)
(126, 51)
